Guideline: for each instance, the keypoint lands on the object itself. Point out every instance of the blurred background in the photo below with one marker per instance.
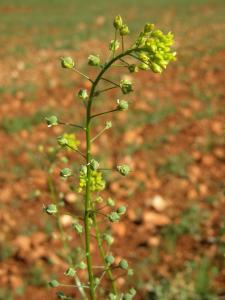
(172, 136)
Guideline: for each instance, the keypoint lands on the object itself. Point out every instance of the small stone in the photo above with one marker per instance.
(70, 197)
(158, 203)
(152, 219)
(66, 220)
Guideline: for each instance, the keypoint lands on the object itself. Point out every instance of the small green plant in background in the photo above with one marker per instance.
(151, 51)
(195, 282)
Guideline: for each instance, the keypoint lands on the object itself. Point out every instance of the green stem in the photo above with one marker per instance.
(102, 253)
(71, 124)
(88, 204)
(122, 43)
(107, 89)
(82, 74)
(104, 113)
(100, 133)
(110, 81)
(88, 209)
(115, 41)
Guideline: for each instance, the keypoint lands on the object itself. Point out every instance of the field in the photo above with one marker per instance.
(173, 137)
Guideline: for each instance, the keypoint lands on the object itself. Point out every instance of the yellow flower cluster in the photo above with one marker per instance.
(97, 183)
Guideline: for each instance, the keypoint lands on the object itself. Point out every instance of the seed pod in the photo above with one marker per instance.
(51, 209)
(66, 172)
(94, 60)
(109, 259)
(51, 121)
(77, 227)
(123, 264)
(114, 45)
(82, 94)
(53, 283)
(67, 62)
(130, 272)
(122, 105)
(114, 217)
(70, 272)
(82, 265)
(94, 164)
(133, 68)
(110, 202)
(121, 210)
(108, 125)
(108, 238)
(126, 86)
(112, 296)
(123, 169)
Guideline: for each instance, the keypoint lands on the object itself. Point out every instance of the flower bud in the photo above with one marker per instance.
(53, 283)
(67, 62)
(121, 210)
(157, 33)
(82, 94)
(109, 259)
(156, 68)
(118, 22)
(94, 60)
(70, 272)
(99, 199)
(123, 169)
(149, 27)
(114, 217)
(94, 164)
(51, 209)
(123, 264)
(122, 105)
(143, 67)
(66, 172)
(126, 86)
(141, 40)
(51, 121)
(143, 57)
(108, 125)
(114, 45)
(124, 30)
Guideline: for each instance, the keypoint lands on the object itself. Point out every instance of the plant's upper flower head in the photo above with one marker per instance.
(155, 49)
(118, 22)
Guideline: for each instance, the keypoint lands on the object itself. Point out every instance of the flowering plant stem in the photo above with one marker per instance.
(88, 201)
(153, 50)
